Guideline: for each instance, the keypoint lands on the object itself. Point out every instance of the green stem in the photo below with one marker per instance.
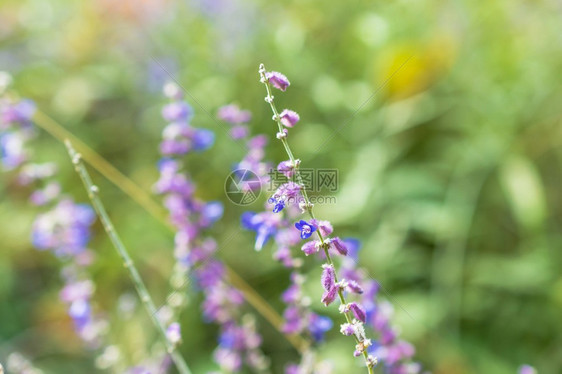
(127, 261)
(308, 206)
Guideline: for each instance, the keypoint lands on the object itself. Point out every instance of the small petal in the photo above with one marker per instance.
(347, 329)
(318, 325)
(328, 277)
(278, 206)
(289, 118)
(310, 247)
(173, 333)
(329, 296)
(203, 139)
(286, 168)
(339, 245)
(354, 287)
(358, 311)
(277, 80)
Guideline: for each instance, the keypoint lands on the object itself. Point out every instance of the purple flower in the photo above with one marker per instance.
(339, 245)
(173, 333)
(239, 131)
(324, 227)
(279, 204)
(318, 326)
(286, 168)
(228, 359)
(329, 296)
(65, 229)
(353, 246)
(289, 118)
(526, 369)
(305, 228)
(358, 311)
(277, 80)
(264, 224)
(354, 287)
(80, 312)
(203, 139)
(21, 112)
(328, 277)
(347, 329)
(12, 153)
(293, 320)
(177, 112)
(211, 213)
(233, 114)
(310, 247)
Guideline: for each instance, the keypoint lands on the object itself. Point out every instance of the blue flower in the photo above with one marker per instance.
(203, 139)
(353, 246)
(212, 212)
(263, 227)
(318, 326)
(305, 228)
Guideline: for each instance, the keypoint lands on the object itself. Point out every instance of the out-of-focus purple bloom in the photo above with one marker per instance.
(12, 152)
(20, 112)
(211, 213)
(203, 139)
(45, 195)
(177, 111)
(79, 290)
(32, 172)
(239, 131)
(353, 246)
(527, 369)
(173, 333)
(233, 114)
(294, 322)
(65, 229)
(228, 359)
(305, 228)
(264, 224)
(318, 326)
(289, 118)
(277, 80)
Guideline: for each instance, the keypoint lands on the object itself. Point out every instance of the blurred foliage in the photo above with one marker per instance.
(443, 119)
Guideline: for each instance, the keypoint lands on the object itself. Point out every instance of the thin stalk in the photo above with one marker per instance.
(308, 205)
(142, 291)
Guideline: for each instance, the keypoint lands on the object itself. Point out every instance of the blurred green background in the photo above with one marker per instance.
(450, 173)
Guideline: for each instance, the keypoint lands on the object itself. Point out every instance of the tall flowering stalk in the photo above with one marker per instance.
(64, 227)
(353, 312)
(196, 254)
(299, 319)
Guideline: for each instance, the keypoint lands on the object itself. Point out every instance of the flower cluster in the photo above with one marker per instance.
(64, 228)
(237, 118)
(238, 342)
(298, 316)
(353, 312)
